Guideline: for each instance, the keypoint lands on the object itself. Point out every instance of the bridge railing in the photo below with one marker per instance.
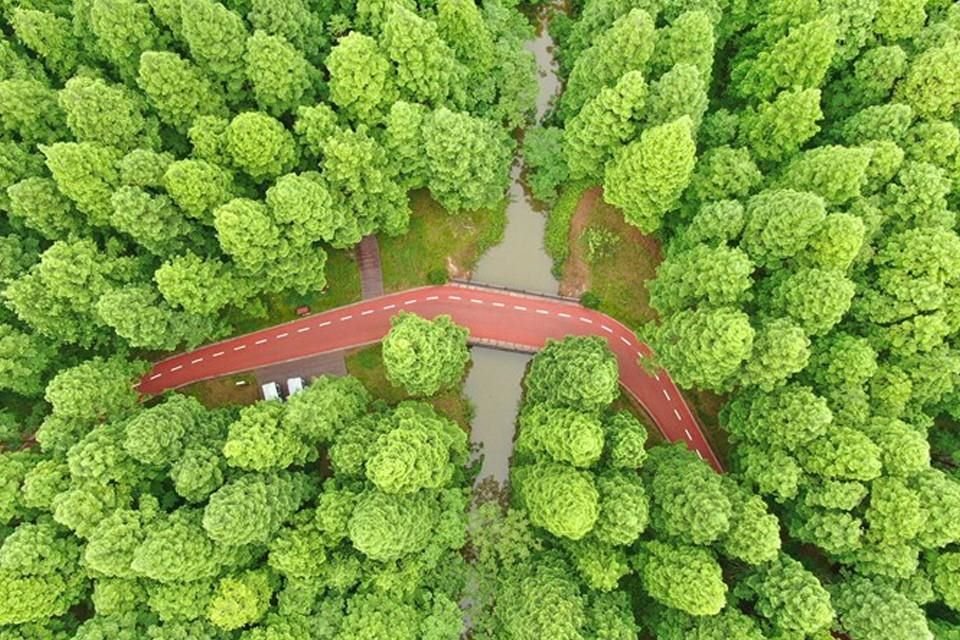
(470, 284)
(503, 345)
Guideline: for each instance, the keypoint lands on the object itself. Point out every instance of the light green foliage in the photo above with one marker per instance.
(904, 449)
(704, 276)
(679, 92)
(704, 347)
(560, 499)
(841, 453)
(240, 601)
(931, 86)
(559, 434)
(425, 356)
(789, 416)
(402, 139)
(871, 610)
(50, 36)
(797, 60)
(790, 597)
(252, 507)
(248, 233)
(94, 390)
(540, 598)
(600, 566)
(579, 373)
(754, 534)
(217, 39)
(608, 120)
(816, 299)
(624, 508)
(543, 154)
(683, 577)
(879, 122)
(24, 359)
(282, 78)
(425, 65)
(387, 527)
(777, 129)
(689, 501)
(625, 440)
(835, 173)
(422, 451)
(838, 241)
(260, 441)
(646, 178)
(30, 109)
(197, 186)
(894, 514)
(721, 173)
(361, 78)
(780, 349)
(944, 571)
(104, 114)
(688, 39)
(260, 145)
(325, 407)
(780, 224)
(155, 435)
(177, 89)
(40, 205)
(626, 46)
(86, 173)
(124, 29)
(467, 160)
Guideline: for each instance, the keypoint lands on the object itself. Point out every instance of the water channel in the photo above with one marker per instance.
(520, 262)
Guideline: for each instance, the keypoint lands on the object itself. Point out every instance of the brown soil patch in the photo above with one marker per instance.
(576, 270)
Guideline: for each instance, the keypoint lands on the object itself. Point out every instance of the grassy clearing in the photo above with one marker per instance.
(343, 287)
(438, 242)
(619, 278)
(366, 364)
(228, 391)
(556, 241)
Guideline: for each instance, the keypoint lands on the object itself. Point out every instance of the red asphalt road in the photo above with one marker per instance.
(493, 316)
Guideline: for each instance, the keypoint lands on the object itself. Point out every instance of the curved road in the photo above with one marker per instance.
(495, 317)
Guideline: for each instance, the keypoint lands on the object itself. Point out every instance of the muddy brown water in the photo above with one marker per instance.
(493, 384)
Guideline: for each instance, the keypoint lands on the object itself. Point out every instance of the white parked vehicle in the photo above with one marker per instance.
(294, 385)
(271, 391)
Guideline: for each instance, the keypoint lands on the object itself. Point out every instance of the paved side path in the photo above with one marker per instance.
(519, 321)
(368, 259)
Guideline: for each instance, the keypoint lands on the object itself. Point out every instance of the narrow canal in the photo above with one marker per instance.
(520, 262)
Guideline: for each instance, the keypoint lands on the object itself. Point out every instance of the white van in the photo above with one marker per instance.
(271, 391)
(294, 385)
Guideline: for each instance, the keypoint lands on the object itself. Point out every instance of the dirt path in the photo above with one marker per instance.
(576, 271)
(371, 275)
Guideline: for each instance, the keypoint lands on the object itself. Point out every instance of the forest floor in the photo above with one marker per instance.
(619, 278)
(366, 364)
(439, 242)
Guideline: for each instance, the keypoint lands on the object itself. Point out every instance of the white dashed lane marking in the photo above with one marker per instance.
(176, 368)
(519, 308)
(155, 376)
(543, 312)
(699, 455)
(409, 301)
(261, 341)
(367, 312)
(564, 315)
(655, 376)
(677, 413)
(240, 347)
(624, 341)
(324, 324)
(303, 329)
(498, 304)
(606, 328)
(218, 354)
(345, 318)
(475, 301)
(666, 394)
(196, 360)
(687, 431)
(282, 335)
(389, 306)
(587, 320)
(452, 298)
(431, 298)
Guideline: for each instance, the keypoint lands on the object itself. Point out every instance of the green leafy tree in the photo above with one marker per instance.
(281, 77)
(253, 507)
(561, 435)
(576, 372)
(94, 390)
(24, 359)
(51, 37)
(683, 577)
(38, 203)
(789, 597)
(426, 67)
(86, 173)
(240, 601)
(362, 81)
(387, 527)
(260, 145)
(816, 299)
(560, 499)
(646, 178)
(780, 349)
(425, 356)
(777, 129)
(217, 39)
(704, 276)
(870, 609)
(260, 441)
(704, 347)
(124, 29)
(177, 89)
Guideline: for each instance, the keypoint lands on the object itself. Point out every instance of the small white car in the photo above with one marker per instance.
(294, 385)
(271, 391)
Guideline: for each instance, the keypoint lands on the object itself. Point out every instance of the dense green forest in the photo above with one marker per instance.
(166, 165)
